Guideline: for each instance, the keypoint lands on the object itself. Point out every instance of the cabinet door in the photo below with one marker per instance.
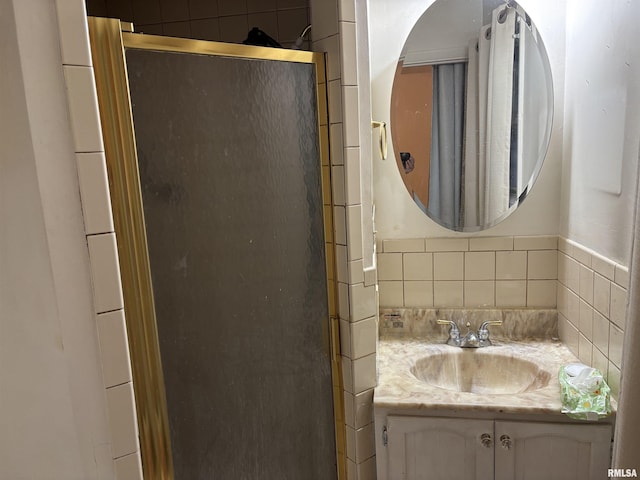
(537, 451)
(421, 448)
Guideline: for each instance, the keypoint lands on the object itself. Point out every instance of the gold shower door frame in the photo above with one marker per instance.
(108, 41)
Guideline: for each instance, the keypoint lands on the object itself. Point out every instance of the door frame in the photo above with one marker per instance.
(108, 40)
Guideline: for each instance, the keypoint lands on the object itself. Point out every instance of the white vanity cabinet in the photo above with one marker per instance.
(426, 448)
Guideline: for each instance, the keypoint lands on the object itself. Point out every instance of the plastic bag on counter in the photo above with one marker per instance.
(585, 394)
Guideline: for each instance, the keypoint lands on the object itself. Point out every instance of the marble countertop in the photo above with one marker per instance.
(398, 388)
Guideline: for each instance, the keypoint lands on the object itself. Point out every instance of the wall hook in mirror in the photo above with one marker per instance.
(382, 137)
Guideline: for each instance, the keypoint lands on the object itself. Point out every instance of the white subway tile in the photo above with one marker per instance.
(352, 175)
(390, 293)
(562, 299)
(364, 337)
(363, 301)
(347, 10)
(94, 192)
(352, 468)
(601, 333)
(618, 304)
(364, 373)
(586, 284)
(573, 275)
(581, 254)
(356, 272)
(585, 322)
(105, 272)
(569, 335)
(342, 272)
(74, 35)
(367, 469)
(479, 265)
(479, 293)
(337, 184)
(349, 410)
(114, 348)
(354, 232)
(448, 266)
(564, 246)
(573, 308)
(622, 276)
(541, 293)
(349, 58)
(418, 293)
(345, 338)
(511, 293)
(129, 467)
(122, 420)
(616, 339)
(340, 225)
(542, 265)
(600, 361)
(351, 125)
(448, 294)
(403, 245)
(601, 294)
(541, 242)
(563, 269)
(447, 244)
(418, 266)
(351, 443)
(334, 94)
(511, 265)
(370, 276)
(490, 243)
(363, 408)
(347, 374)
(365, 443)
(336, 144)
(343, 301)
(584, 350)
(83, 108)
(603, 266)
(390, 266)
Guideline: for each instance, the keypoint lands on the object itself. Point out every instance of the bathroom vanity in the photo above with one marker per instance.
(444, 412)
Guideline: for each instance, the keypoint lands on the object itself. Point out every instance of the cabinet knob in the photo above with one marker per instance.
(505, 440)
(486, 440)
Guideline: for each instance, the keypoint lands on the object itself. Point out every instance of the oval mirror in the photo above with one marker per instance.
(471, 111)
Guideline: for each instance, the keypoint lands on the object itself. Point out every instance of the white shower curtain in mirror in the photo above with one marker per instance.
(499, 114)
(492, 160)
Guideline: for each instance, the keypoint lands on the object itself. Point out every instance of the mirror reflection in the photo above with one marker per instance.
(471, 111)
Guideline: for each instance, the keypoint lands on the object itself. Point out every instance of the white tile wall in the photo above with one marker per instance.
(595, 287)
(105, 275)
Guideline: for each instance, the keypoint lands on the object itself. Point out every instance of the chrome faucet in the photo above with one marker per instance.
(471, 339)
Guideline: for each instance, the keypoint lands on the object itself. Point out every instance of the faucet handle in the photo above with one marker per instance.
(483, 332)
(484, 325)
(454, 332)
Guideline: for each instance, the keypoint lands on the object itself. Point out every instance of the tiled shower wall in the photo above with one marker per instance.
(588, 290)
(217, 20)
(101, 240)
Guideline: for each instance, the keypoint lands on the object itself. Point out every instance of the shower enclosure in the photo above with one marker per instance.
(216, 166)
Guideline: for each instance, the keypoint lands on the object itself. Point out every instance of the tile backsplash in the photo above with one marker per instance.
(588, 290)
(468, 272)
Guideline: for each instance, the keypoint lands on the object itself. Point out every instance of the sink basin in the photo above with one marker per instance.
(480, 372)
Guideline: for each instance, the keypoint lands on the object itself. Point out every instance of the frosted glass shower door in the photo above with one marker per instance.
(229, 162)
